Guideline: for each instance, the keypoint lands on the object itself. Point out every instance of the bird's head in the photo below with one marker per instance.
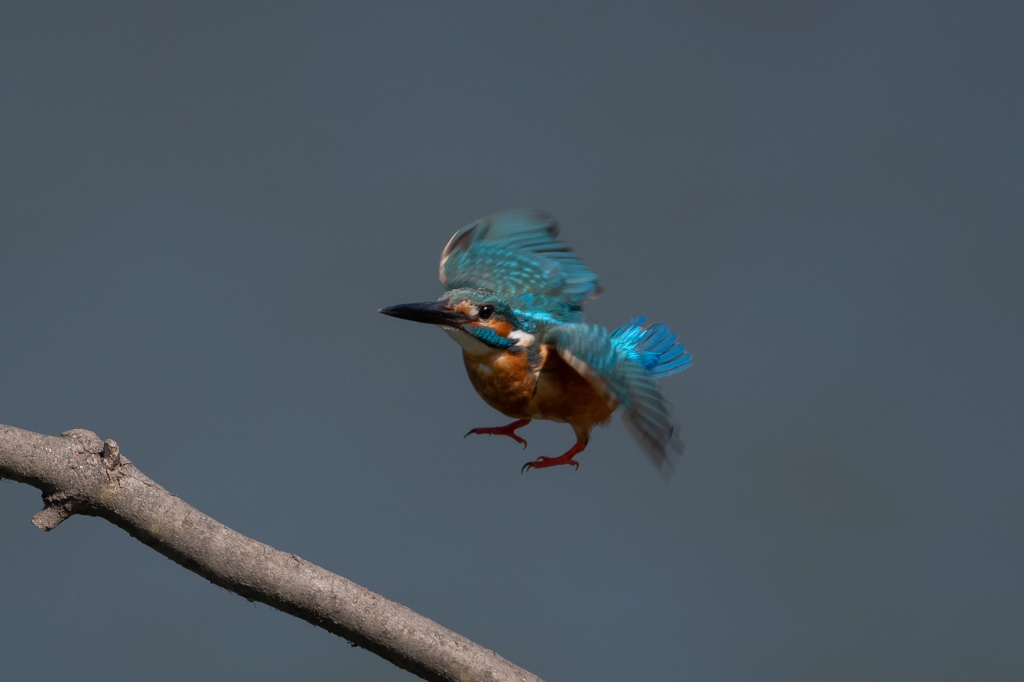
(480, 320)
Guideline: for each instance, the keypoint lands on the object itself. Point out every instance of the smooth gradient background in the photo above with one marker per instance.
(202, 207)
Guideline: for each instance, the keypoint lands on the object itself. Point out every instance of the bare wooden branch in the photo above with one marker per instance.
(80, 474)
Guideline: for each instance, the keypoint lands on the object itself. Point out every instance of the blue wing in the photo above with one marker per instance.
(516, 253)
(592, 352)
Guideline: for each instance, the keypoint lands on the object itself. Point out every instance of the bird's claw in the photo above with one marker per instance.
(543, 462)
(507, 430)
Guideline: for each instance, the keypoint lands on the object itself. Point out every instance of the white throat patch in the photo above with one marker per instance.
(469, 344)
(523, 339)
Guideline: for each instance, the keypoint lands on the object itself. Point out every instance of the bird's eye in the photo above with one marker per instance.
(485, 312)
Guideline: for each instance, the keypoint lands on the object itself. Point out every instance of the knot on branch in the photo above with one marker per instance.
(59, 506)
(111, 455)
(85, 441)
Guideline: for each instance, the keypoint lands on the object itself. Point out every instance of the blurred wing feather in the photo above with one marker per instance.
(515, 253)
(589, 350)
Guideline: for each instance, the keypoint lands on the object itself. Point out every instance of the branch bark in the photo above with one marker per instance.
(80, 474)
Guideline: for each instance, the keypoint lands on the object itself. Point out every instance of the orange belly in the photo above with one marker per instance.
(563, 395)
(558, 393)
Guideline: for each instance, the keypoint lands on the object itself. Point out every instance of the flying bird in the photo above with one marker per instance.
(513, 302)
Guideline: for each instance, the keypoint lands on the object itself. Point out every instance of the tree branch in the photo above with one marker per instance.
(80, 474)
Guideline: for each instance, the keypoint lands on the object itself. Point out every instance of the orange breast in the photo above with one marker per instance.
(504, 380)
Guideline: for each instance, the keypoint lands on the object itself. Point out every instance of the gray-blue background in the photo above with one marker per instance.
(202, 207)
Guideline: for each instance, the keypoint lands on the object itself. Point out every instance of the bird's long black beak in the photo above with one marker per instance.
(434, 312)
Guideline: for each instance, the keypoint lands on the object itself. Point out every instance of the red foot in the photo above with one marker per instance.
(507, 430)
(567, 458)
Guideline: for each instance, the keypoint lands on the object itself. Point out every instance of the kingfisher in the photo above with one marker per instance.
(514, 303)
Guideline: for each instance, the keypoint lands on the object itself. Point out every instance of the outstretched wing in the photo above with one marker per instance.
(516, 253)
(590, 351)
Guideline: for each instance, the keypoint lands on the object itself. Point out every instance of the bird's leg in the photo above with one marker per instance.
(567, 458)
(507, 430)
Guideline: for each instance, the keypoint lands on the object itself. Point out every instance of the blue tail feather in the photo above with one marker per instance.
(653, 347)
